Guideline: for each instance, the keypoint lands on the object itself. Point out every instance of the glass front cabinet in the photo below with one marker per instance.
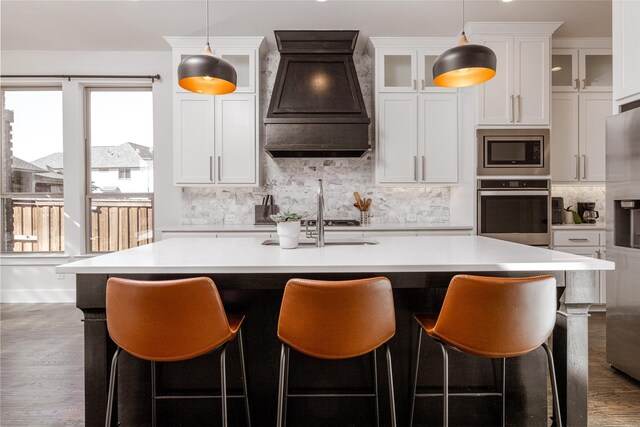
(408, 70)
(584, 70)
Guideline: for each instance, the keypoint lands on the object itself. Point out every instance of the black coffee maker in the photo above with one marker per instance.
(587, 211)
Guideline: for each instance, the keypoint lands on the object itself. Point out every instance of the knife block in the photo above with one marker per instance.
(263, 212)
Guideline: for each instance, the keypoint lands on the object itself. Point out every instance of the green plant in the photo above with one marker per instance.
(286, 217)
(576, 217)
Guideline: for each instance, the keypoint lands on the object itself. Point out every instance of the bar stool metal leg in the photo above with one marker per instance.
(375, 385)
(223, 385)
(504, 391)
(244, 377)
(286, 387)
(112, 386)
(281, 390)
(415, 378)
(445, 385)
(557, 417)
(154, 395)
(392, 399)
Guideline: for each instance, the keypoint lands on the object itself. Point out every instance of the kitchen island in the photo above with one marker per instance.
(251, 278)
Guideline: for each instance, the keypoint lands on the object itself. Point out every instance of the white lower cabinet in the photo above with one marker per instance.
(417, 138)
(590, 243)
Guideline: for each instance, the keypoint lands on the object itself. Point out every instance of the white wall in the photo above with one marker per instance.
(31, 277)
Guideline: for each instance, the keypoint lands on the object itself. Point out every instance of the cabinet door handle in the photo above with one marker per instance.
(424, 168)
(577, 166)
(414, 84)
(512, 107)
(584, 83)
(518, 108)
(422, 85)
(219, 169)
(575, 239)
(577, 84)
(211, 168)
(584, 166)
(415, 168)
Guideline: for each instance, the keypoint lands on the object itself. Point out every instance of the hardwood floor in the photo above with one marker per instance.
(41, 370)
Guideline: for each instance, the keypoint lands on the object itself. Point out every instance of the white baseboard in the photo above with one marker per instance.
(14, 296)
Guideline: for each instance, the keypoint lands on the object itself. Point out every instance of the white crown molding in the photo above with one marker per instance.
(221, 42)
(409, 43)
(581, 42)
(544, 28)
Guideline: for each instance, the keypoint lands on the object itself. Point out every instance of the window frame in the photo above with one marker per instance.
(36, 86)
(89, 195)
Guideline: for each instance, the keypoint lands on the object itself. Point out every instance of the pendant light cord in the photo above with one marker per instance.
(207, 13)
(463, 17)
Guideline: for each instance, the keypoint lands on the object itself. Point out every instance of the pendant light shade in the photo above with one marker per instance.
(206, 73)
(464, 65)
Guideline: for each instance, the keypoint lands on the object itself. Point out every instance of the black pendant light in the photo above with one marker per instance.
(206, 73)
(464, 65)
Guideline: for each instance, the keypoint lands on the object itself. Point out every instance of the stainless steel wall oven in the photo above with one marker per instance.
(509, 152)
(516, 210)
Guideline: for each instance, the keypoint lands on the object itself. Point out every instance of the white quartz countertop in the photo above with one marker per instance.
(392, 254)
(272, 228)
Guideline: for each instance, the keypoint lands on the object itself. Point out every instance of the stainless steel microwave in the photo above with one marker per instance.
(509, 152)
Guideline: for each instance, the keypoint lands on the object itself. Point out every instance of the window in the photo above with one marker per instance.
(119, 129)
(32, 170)
(124, 173)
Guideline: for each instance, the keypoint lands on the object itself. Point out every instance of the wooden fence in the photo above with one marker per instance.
(114, 226)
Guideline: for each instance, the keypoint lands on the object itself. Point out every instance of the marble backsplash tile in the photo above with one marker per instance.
(293, 182)
(574, 194)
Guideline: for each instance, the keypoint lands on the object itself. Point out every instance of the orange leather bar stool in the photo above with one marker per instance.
(491, 317)
(336, 320)
(170, 321)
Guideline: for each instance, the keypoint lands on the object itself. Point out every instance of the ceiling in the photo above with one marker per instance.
(140, 25)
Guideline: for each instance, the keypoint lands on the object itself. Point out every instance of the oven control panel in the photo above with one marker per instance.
(508, 184)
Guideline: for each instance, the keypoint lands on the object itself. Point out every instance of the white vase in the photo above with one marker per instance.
(568, 217)
(288, 234)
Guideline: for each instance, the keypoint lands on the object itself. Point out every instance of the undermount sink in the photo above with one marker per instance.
(327, 242)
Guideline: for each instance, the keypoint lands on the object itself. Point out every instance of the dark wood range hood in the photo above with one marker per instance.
(316, 109)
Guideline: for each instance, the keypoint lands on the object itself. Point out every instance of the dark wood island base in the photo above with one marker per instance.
(259, 297)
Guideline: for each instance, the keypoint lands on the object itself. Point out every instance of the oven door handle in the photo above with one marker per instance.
(514, 193)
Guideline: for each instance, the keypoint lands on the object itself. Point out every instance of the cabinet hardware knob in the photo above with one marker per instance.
(577, 84)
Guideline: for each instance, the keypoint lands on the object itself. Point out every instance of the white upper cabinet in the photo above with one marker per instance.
(397, 141)
(519, 94)
(626, 50)
(408, 70)
(216, 138)
(438, 137)
(495, 97)
(584, 70)
(578, 136)
(531, 80)
(564, 146)
(235, 147)
(594, 109)
(416, 126)
(244, 61)
(193, 139)
(398, 70)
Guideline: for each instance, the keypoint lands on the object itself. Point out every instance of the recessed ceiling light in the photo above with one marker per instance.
(507, 1)
(556, 69)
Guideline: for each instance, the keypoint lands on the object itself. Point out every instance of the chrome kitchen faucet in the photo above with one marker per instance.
(319, 233)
